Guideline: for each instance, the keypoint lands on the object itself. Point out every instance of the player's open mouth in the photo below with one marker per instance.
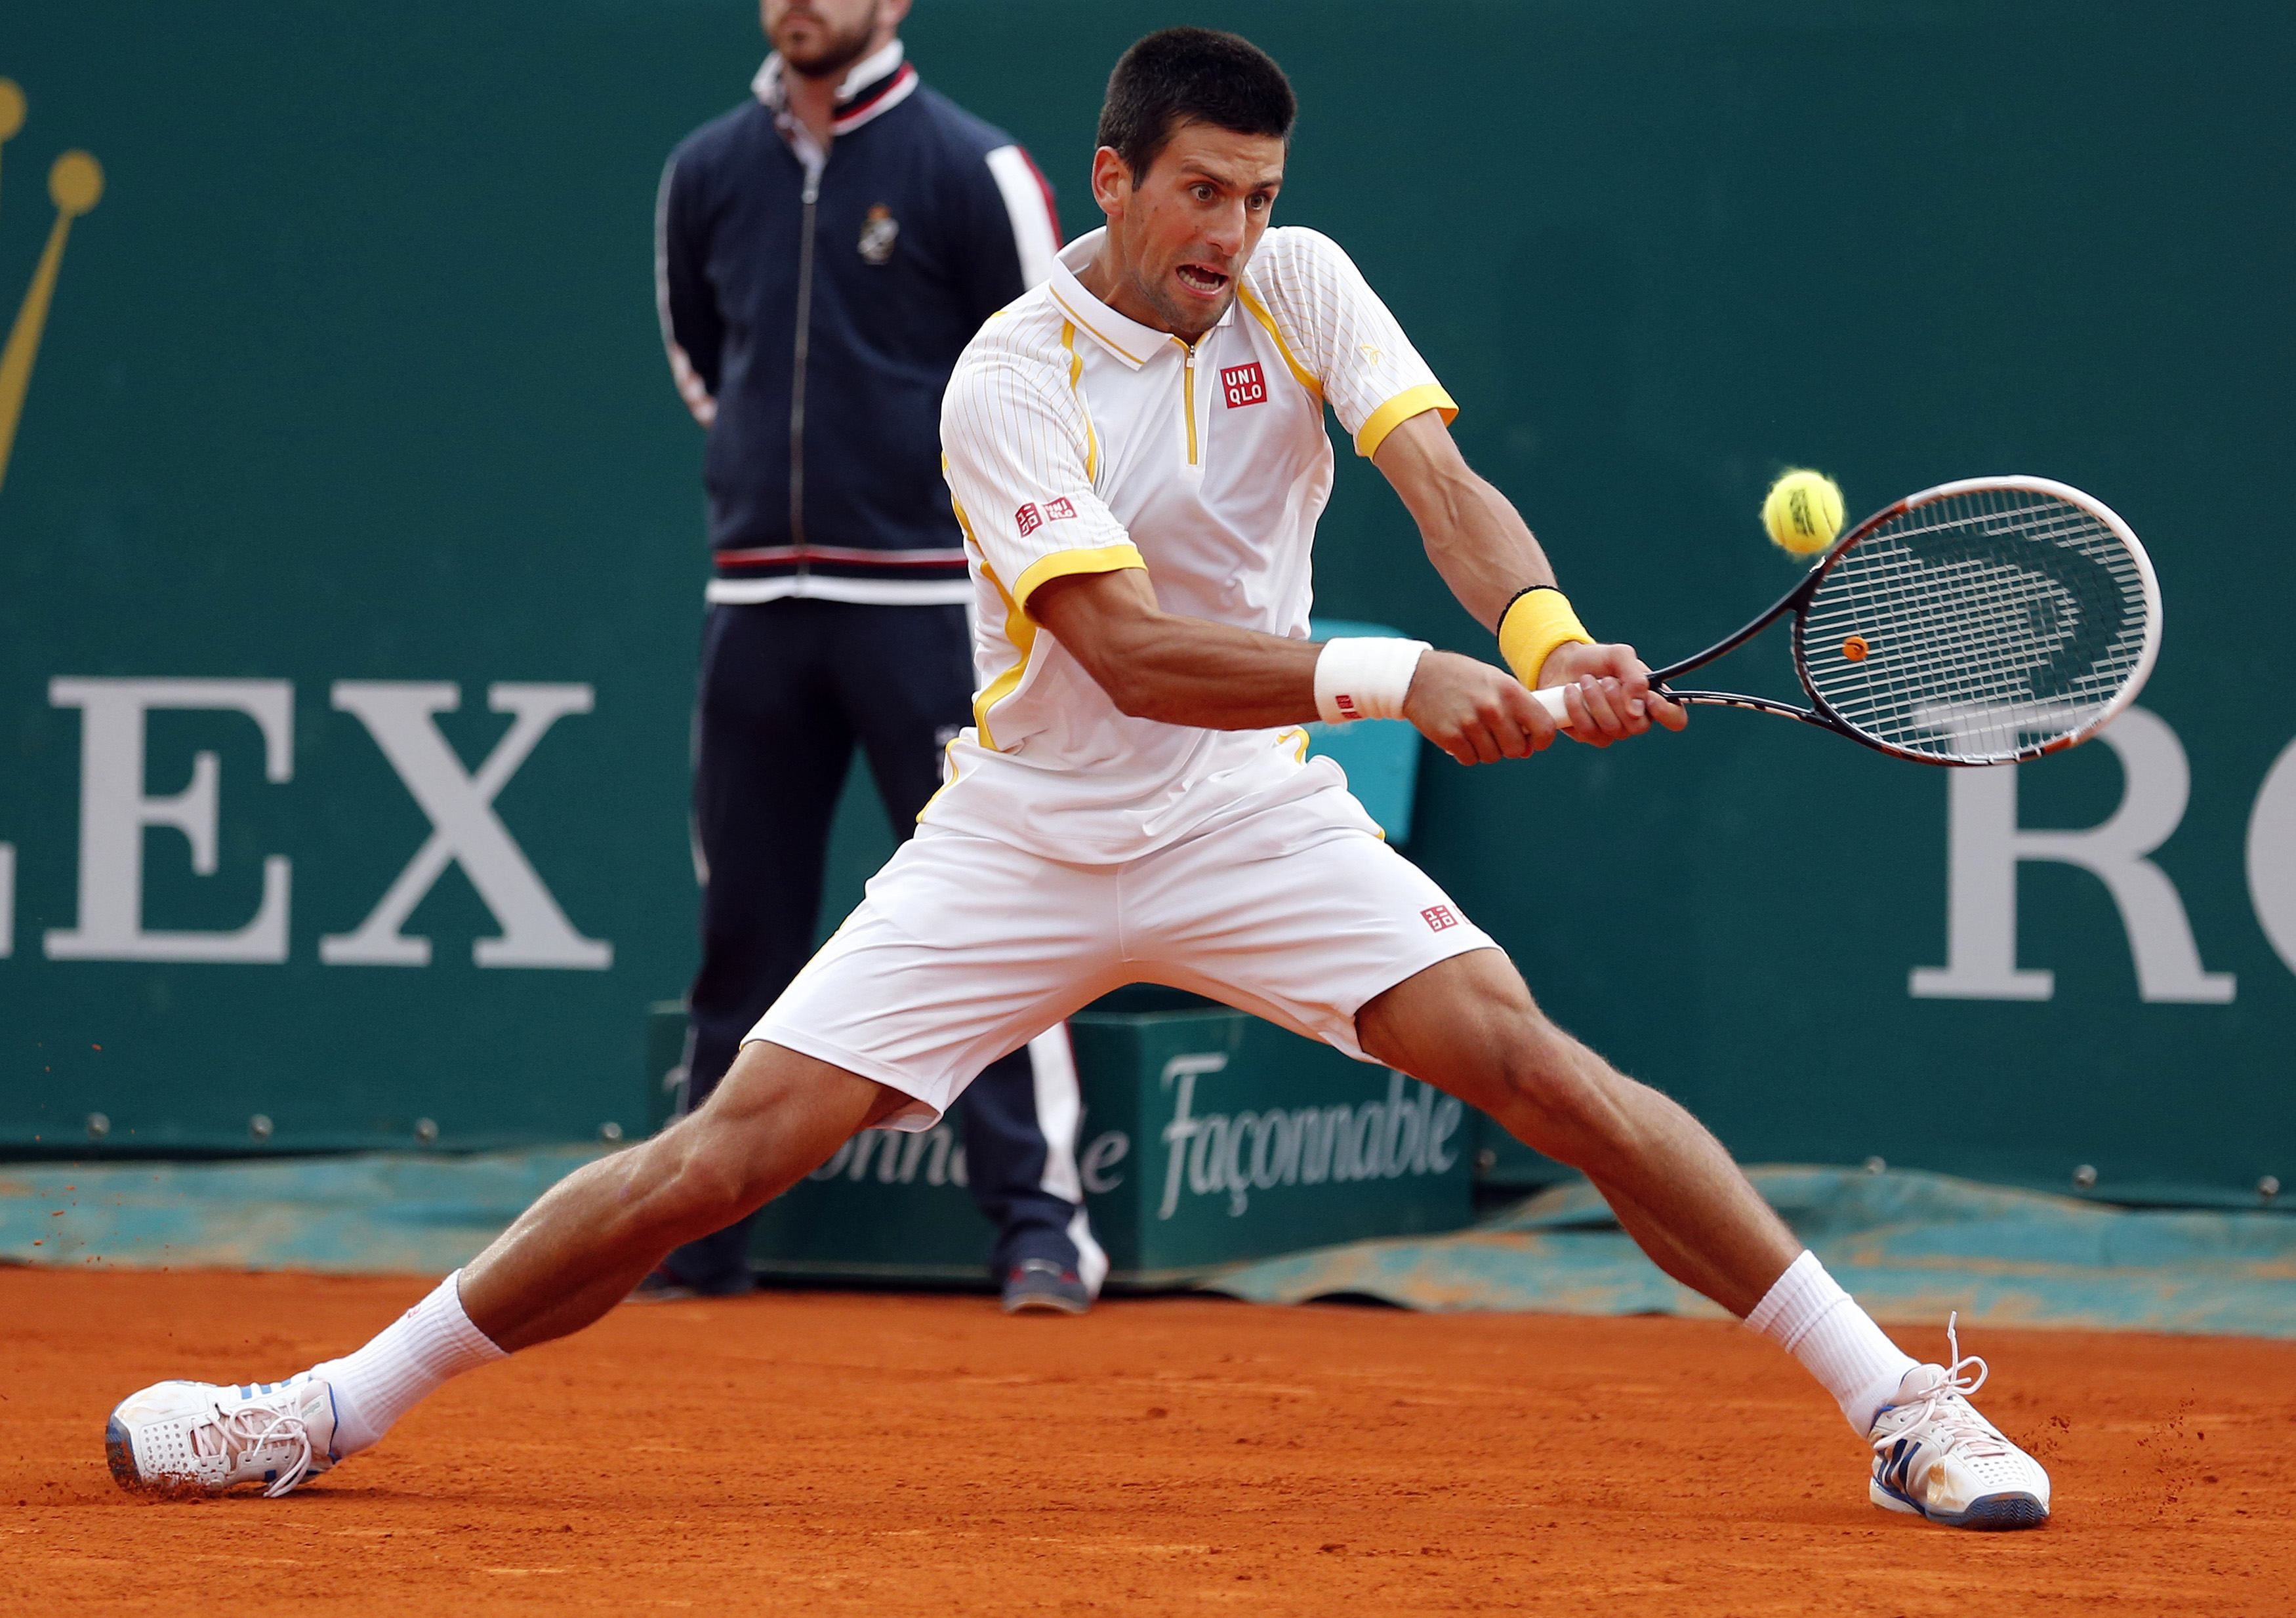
(1198, 278)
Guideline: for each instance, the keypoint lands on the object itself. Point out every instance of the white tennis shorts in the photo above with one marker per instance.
(966, 948)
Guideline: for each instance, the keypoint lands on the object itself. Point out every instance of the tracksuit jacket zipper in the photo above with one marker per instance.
(812, 198)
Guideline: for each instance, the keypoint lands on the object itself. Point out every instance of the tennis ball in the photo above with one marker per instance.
(1802, 511)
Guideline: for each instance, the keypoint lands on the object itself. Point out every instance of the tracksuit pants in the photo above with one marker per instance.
(787, 688)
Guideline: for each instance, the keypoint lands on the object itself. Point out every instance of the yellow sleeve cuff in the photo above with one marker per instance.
(1401, 408)
(1536, 623)
(1060, 564)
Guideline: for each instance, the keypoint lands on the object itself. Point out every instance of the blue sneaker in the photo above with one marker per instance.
(1936, 1457)
(1038, 1284)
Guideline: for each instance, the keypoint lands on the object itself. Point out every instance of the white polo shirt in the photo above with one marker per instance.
(1076, 440)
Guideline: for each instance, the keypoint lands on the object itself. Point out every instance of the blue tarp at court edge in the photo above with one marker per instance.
(380, 1213)
(1909, 1246)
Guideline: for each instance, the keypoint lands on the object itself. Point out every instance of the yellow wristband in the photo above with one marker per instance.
(1533, 626)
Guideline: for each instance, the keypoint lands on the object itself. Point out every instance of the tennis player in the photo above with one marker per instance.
(1138, 459)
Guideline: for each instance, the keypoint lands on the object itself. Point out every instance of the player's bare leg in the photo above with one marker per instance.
(566, 1260)
(577, 1252)
(1469, 1026)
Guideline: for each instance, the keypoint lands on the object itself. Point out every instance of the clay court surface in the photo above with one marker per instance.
(837, 1453)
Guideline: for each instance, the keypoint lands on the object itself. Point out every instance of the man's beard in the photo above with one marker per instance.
(836, 53)
(1186, 321)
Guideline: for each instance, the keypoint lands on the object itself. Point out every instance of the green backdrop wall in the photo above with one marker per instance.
(350, 393)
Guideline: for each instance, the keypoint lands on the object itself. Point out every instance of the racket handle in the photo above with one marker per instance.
(1549, 698)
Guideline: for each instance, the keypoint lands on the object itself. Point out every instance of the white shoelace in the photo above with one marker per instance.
(1944, 1409)
(237, 1432)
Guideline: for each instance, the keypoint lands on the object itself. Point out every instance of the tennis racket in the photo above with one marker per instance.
(1982, 622)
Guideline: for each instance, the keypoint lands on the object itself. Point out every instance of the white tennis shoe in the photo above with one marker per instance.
(1935, 1457)
(197, 1437)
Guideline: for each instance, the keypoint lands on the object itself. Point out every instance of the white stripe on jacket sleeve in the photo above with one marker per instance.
(1035, 232)
(690, 386)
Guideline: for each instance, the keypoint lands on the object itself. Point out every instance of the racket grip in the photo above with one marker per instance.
(1549, 698)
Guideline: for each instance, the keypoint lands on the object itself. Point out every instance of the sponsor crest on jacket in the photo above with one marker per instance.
(879, 231)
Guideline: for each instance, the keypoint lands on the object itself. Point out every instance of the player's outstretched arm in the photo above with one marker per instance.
(1486, 553)
(1157, 664)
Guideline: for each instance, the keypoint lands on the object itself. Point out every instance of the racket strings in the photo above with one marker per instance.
(1983, 626)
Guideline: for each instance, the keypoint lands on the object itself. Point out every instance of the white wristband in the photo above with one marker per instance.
(1365, 677)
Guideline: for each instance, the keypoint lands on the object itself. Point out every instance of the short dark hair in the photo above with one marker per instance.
(1191, 75)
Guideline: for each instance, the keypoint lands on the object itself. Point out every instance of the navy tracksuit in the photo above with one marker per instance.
(814, 303)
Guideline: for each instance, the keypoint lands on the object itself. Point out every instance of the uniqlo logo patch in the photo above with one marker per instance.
(1057, 509)
(1245, 385)
(1438, 916)
(1029, 519)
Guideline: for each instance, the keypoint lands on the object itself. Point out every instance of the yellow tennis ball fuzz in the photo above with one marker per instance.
(1803, 511)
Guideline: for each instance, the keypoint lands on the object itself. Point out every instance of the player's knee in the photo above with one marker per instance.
(1535, 1062)
(1565, 1099)
(704, 1187)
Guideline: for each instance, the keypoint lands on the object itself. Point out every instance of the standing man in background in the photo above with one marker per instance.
(823, 254)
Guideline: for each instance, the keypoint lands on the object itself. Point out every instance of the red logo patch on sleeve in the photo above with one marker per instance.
(1245, 385)
(1029, 519)
(1438, 916)
(1056, 510)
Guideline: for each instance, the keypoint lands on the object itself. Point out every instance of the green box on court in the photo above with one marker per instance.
(1209, 1137)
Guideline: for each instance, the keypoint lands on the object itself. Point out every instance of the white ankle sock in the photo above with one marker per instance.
(409, 1359)
(1807, 1313)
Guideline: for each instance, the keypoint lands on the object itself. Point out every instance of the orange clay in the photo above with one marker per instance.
(840, 1454)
